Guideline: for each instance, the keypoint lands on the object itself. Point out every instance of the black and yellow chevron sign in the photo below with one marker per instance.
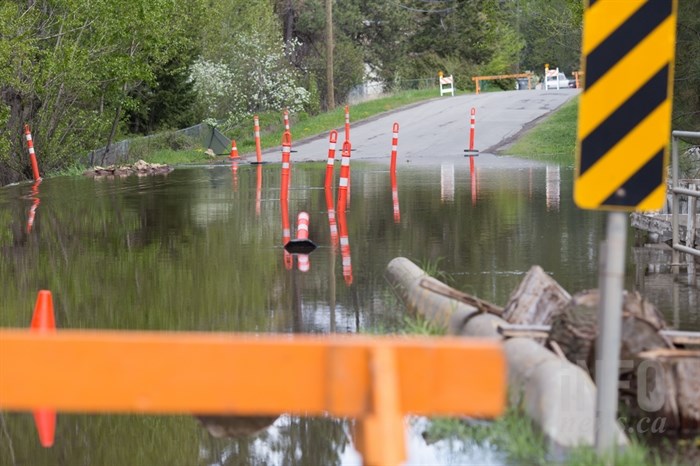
(624, 120)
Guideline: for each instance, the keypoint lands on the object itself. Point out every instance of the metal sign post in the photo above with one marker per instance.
(610, 283)
(624, 125)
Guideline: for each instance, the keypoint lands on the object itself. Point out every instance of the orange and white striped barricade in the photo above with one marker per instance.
(32, 153)
(330, 164)
(394, 146)
(446, 85)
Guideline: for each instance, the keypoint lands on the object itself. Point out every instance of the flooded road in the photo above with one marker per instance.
(202, 249)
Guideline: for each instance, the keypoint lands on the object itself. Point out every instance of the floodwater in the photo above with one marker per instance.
(201, 249)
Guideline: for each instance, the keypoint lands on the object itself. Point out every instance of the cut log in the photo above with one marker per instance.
(665, 389)
(536, 299)
(575, 328)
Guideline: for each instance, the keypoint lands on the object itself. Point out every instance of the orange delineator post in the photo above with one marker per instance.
(347, 122)
(344, 182)
(256, 130)
(330, 164)
(472, 128)
(43, 322)
(32, 153)
(394, 146)
(286, 120)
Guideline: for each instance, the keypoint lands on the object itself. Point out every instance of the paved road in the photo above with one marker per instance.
(438, 130)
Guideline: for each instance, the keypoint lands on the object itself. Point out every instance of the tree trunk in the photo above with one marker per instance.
(536, 300)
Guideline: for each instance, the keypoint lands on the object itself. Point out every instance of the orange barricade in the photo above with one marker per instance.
(478, 79)
(374, 379)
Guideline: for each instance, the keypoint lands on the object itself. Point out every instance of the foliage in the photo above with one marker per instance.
(72, 68)
(686, 111)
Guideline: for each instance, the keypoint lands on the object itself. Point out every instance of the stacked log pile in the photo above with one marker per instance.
(659, 381)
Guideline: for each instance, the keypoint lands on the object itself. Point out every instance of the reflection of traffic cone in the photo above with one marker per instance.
(43, 321)
(35, 205)
(234, 150)
(344, 177)
(234, 172)
(333, 139)
(286, 229)
(345, 246)
(394, 145)
(258, 190)
(472, 176)
(302, 234)
(331, 216)
(395, 198)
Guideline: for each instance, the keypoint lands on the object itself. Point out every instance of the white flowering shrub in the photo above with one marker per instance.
(258, 77)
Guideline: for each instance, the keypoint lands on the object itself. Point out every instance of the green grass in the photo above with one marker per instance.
(515, 435)
(552, 140)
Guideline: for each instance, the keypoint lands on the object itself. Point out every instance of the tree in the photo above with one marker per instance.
(73, 69)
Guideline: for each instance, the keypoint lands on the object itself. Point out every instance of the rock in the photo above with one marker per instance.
(139, 168)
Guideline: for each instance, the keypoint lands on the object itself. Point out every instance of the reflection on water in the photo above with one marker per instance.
(200, 249)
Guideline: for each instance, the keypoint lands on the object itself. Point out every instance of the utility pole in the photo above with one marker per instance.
(330, 95)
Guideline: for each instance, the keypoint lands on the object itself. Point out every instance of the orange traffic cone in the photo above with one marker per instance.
(43, 320)
(234, 150)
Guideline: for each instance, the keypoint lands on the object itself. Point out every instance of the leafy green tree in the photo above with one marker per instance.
(686, 105)
(72, 70)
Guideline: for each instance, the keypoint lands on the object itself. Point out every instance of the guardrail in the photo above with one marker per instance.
(478, 79)
(676, 192)
(374, 379)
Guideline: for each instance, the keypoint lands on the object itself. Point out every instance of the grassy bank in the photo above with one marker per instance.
(552, 140)
(302, 126)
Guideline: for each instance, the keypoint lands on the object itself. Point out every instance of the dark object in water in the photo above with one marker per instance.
(235, 426)
(300, 246)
